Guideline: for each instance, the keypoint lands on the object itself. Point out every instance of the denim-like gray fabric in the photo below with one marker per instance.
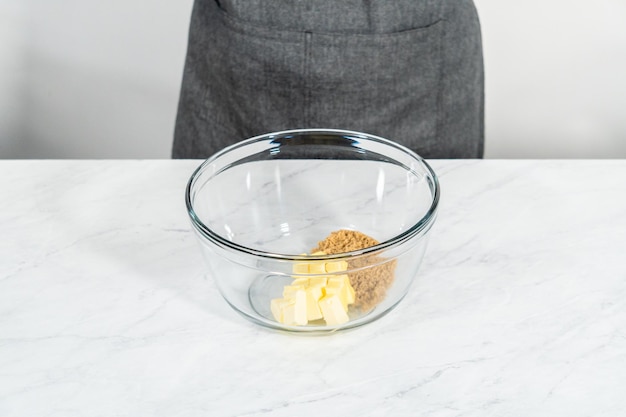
(407, 70)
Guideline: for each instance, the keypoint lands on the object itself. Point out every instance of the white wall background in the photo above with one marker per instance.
(90, 78)
(555, 78)
(96, 79)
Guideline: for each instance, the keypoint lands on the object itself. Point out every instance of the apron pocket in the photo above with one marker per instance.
(384, 84)
(264, 79)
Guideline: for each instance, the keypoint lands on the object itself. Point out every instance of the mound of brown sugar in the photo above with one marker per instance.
(372, 275)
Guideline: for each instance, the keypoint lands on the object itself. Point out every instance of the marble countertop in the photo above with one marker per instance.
(519, 309)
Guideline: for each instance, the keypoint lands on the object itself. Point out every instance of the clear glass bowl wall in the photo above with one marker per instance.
(257, 206)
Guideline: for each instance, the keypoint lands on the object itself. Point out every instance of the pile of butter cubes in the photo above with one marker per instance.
(319, 297)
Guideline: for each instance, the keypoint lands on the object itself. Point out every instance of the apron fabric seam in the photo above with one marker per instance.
(440, 84)
(306, 71)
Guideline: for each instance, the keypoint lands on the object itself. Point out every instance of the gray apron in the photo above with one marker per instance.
(407, 70)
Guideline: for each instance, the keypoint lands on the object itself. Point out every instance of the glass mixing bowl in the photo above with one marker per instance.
(261, 207)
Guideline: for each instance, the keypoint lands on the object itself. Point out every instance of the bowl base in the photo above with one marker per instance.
(266, 287)
(263, 289)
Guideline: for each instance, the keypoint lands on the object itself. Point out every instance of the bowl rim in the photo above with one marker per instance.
(423, 224)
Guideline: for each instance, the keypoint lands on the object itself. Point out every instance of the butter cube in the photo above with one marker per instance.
(301, 281)
(283, 310)
(297, 294)
(332, 310)
(291, 309)
(316, 297)
(313, 295)
(318, 281)
(336, 266)
(289, 291)
(317, 267)
(300, 310)
(289, 312)
(301, 268)
(333, 289)
(343, 281)
(339, 280)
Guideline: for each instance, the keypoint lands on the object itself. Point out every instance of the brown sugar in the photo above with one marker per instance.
(372, 275)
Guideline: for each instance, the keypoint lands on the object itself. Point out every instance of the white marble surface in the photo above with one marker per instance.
(520, 309)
